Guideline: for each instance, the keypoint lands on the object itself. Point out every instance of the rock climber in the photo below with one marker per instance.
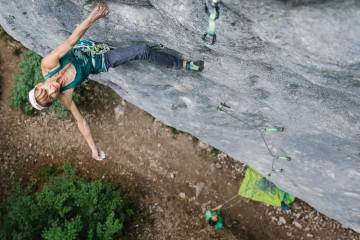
(68, 65)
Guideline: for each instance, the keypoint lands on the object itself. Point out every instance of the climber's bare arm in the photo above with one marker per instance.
(51, 60)
(217, 208)
(66, 99)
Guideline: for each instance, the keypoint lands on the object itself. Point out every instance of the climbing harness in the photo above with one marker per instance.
(94, 48)
(214, 14)
(223, 107)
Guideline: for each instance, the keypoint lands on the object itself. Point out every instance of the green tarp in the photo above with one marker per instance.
(258, 188)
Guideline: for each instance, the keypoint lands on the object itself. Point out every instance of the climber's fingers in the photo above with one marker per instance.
(101, 10)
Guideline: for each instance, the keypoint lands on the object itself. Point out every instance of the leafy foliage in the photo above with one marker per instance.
(65, 207)
(29, 74)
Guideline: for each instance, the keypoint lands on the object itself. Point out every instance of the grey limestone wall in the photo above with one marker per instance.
(286, 63)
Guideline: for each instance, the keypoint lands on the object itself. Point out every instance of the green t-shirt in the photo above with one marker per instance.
(209, 214)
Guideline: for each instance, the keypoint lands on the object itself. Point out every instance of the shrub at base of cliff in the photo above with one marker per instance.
(65, 207)
(27, 76)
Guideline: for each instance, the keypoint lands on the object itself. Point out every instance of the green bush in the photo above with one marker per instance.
(64, 207)
(28, 75)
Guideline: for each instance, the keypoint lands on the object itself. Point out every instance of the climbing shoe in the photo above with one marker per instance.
(195, 65)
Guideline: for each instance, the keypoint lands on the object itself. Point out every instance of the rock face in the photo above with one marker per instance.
(284, 63)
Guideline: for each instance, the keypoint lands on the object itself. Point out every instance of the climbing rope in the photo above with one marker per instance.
(214, 14)
(237, 197)
(224, 206)
(221, 206)
(223, 107)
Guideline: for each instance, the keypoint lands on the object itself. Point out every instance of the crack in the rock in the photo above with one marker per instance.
(140, 3)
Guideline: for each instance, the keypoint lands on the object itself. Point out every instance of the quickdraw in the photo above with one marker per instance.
(223, 107)
(214, 14)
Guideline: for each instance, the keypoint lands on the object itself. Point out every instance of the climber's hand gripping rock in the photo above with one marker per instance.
(100, 11)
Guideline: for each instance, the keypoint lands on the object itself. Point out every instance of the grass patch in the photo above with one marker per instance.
(64, 206)
(28, 75)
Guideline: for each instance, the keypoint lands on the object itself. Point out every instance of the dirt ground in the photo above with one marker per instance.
(171, 178)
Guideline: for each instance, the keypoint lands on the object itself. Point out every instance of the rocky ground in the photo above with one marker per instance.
(170, 177)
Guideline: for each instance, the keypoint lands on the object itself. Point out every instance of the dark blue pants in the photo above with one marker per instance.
(118, 56)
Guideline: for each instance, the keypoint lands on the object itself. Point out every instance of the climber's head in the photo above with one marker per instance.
(43, 94)
(213, 220)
